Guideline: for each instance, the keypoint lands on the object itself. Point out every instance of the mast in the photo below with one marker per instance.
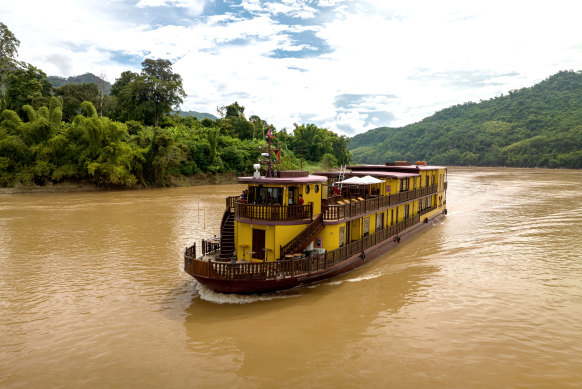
(269, 163)
(268, 155)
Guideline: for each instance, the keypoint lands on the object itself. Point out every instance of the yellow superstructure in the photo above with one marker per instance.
(273, 213)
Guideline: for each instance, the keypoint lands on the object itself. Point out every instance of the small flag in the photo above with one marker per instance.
(269, 133)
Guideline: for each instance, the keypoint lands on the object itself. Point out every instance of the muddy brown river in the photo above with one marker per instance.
(92, 295)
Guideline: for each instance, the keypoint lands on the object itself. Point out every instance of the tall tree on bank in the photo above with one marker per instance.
(73, 95)
(8, 51)
(149, 95)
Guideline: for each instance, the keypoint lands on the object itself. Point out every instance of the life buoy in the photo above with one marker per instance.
(397, 239)
(426, 220)
(445, 211)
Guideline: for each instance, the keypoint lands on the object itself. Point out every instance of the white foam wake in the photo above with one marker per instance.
(365, 277)
(222, 298)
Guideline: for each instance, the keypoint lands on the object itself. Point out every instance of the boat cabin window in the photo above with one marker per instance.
(379, 221)
(404, 184)
(265, 195)
(307, 189)
(342, 235)
(366, 226)
(292, 190)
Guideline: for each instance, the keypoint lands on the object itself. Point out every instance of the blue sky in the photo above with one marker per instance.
(346, 65)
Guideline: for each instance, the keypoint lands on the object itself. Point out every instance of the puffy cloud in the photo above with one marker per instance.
(195, 7)
(344, 64)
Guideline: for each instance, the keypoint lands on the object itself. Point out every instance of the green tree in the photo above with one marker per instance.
(126, 94)
(234, 122)
(8, 52)
(311, 140)
(328, 161)
(233, 110)
(149, 95)
(73, 95)
(27, 85)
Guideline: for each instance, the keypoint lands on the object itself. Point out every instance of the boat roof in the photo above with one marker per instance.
(410, 167)
(378, 174)
(309, 179)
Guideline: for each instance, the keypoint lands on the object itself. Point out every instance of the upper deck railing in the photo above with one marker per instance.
(354, 209)
(273, 212)
(331, 212)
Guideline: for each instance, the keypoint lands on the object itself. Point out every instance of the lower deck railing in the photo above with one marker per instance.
(294, 267)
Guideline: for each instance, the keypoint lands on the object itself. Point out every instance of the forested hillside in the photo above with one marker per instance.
(57, 81)
(540, 126)
(197, 115)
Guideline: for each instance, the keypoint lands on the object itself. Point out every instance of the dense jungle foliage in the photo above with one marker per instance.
(132, 136)
(540, 126)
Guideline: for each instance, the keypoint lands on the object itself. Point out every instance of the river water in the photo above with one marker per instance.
(92, 295)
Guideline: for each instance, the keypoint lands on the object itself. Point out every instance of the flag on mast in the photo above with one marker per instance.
(269, 132)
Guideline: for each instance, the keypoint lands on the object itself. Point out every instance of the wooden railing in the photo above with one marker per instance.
(273, 212)
(339, 212)
(293, 267)
(210, 246)
(427, 210)
(330, 211)
(230, 202)
(190, 251)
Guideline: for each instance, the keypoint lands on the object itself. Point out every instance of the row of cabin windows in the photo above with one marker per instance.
(424, 203)
(267, 195)
(429, 180)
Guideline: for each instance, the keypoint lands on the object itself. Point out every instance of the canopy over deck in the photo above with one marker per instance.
(365, 180)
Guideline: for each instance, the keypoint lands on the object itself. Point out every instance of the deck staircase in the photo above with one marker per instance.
(301, 241)
(227, 235)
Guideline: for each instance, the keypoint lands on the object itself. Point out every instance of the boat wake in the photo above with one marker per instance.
(222, 298)
(366, 277)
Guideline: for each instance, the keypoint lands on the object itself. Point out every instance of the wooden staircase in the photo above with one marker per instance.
(301, 241)
(227, 235)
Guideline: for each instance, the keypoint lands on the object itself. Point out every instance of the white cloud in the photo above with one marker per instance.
(428, 55)
(195, 7)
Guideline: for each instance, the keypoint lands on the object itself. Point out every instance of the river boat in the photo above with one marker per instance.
(291, 228)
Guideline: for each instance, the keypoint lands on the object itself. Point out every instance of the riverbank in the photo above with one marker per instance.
(87, 186)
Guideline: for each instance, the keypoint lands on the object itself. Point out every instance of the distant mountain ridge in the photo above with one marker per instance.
(57, 81)
(539, 126)
(197, 115)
